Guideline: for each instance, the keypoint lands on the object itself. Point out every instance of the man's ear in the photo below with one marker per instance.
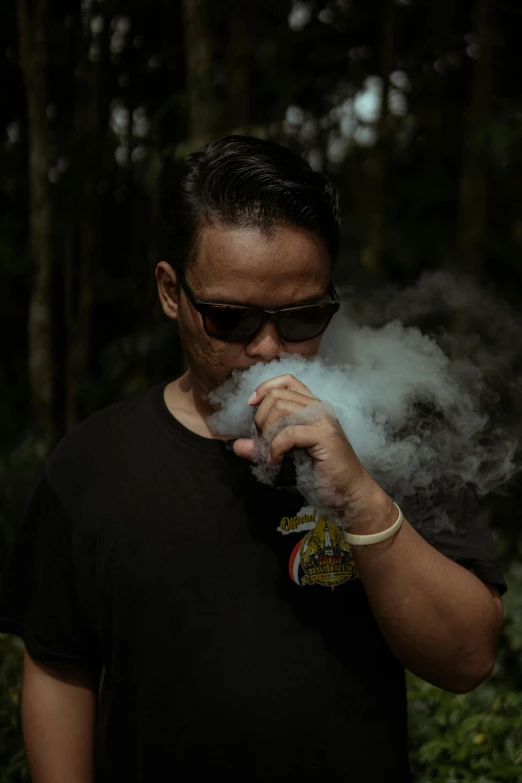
(168, 289)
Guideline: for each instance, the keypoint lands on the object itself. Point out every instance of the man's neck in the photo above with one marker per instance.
(187, 405)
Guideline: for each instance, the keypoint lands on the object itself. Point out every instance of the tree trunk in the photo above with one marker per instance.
(154, 181)
(238, 68)
(32, 19)
(198, 62)
(371, 256)
(90, 120)
(472, 224)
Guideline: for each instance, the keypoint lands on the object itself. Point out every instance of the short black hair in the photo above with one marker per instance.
(245, 181)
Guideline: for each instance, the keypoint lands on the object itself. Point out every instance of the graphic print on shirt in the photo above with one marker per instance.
(322, 557)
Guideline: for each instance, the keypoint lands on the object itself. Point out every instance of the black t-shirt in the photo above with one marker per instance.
(234, 632)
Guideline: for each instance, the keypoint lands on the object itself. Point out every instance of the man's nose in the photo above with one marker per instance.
(266, 345)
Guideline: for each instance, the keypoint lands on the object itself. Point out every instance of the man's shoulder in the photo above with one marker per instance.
(100, 437)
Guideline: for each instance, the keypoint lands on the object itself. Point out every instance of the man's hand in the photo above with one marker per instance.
(342, 481)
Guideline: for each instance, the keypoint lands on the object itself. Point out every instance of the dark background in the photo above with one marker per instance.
(412, 107)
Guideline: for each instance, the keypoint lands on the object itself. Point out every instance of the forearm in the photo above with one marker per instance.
(438, 618)
(58, 714)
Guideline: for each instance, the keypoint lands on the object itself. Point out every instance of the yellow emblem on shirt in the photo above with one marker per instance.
(322, 557)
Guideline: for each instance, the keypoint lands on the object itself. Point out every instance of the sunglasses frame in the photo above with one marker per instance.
(202, 308)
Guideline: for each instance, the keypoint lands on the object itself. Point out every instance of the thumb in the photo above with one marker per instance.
(245, 447)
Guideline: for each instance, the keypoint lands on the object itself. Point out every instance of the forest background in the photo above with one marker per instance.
(412, 107)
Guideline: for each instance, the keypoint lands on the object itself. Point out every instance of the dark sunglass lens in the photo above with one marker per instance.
(232, 324)
(303, 324)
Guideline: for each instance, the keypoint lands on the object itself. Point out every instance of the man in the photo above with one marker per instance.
(151, 552)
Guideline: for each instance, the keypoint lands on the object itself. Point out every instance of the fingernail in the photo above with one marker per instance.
(252, 398)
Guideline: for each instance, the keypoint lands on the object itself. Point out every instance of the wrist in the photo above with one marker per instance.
(372, 512)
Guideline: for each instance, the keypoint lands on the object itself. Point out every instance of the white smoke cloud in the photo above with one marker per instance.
(416, 416)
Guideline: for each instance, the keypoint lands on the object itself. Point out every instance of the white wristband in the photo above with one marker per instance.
(374, 538)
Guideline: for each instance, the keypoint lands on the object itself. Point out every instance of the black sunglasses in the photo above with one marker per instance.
(239, 324)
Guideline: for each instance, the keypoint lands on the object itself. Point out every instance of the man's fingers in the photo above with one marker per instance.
(280, 400)
(298, 435)
(279, 410)
(289, 382)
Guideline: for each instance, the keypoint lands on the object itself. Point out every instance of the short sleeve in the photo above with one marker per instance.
(38, 592)
(471, 544)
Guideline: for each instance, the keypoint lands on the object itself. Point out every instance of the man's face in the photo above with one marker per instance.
(245, 267)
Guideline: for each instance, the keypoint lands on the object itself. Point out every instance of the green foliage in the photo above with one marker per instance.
(474, 737)
(13, 764)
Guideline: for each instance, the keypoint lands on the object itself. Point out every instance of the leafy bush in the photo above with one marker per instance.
(474, 737)
(13, 765)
